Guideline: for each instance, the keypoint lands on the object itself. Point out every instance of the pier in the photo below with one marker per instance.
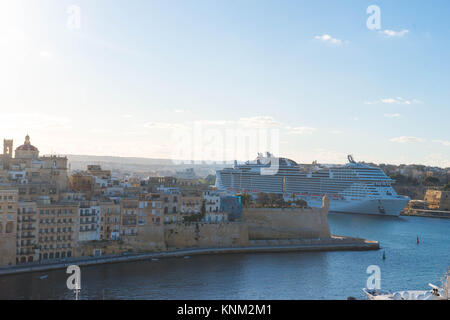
(335, 243)
(427, 213)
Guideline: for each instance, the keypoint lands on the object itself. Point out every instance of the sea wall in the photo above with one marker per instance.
(204, 235)
(88, 248)
(256, 224)
(287, 223)
(148, 239)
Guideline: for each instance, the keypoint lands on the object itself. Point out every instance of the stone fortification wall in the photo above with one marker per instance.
(287, 223)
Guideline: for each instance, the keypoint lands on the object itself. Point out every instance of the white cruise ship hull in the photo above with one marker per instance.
(383, 207)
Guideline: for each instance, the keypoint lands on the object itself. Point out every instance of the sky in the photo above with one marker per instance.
(219, 80)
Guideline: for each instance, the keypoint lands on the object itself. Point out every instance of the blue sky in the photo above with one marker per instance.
(135, 72)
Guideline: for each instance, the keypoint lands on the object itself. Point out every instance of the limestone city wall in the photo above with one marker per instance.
(287, 223)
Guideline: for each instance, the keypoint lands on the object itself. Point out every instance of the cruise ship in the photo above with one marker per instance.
(351, 188)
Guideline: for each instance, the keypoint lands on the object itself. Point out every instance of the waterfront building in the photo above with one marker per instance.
(171, 204)
(150, 209)
(215, 217)
(129, 208)
(89, 221)
(8, 225)
(191, 205)
(27, 232)
(110, 220)
(212, 200)
(58, 229)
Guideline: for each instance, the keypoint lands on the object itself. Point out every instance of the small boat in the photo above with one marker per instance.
(187, 257)
(402, 295)
(44, 277)
(155, 259)
(436, 293)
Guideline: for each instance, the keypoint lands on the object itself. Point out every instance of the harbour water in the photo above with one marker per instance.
(315, 275)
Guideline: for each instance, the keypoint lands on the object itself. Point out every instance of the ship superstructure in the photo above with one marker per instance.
(353, 187)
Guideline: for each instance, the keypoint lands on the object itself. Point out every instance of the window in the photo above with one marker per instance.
(9, 227)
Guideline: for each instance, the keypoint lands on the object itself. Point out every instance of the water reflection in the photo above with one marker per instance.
(314, 275)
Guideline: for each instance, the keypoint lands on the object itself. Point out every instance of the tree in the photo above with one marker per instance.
(210, 179)
(301, 203)
(431, 181)
(271, 200)
(203, 209)
(263, 199)
(446, 187)
(246, 200)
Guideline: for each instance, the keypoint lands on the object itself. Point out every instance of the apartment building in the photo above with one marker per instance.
(8, 225)
(27, 232)
(171, 204)
(129, 208)
(89, 221)
(58, 229)
(150, 209)
(191, 205)
(110, 220)
(212, 201)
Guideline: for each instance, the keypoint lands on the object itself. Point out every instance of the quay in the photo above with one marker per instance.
(426, 213)
(335, 243)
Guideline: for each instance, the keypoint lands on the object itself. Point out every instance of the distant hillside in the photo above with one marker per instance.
(144, 166)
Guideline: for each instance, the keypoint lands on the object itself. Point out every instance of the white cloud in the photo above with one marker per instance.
(46, 54)
(445, 143)
(302, 130)
(406, 139)
(392, 33)
(127, 116)
(178, 110)
(392, 115)
(329, 39)
(397, 100)
(336, 132)
(164, 125)
(251, 122)
(100, 131)
(35, 121)
(215, 122)
(259, 122)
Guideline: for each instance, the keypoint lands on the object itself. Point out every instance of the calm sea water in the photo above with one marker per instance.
(318, 275)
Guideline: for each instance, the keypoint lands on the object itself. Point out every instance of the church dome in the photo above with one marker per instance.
(27, 150)
(27, 146)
